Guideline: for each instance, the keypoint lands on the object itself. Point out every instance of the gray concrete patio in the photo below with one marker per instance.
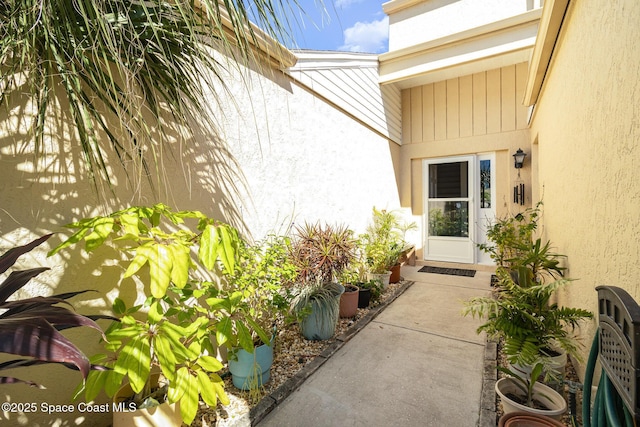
(419, 363)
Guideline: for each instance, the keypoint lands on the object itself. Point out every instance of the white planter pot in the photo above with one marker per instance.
(164, 415)
(546, 395)
(382, 278)
(556, 363)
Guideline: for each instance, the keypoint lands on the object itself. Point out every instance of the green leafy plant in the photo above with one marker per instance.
(526, 384)
(321, 297)
(172, 330)
(374, 286)
(508, 238)
(383, 243)
(31, 326)
(263, 274)
(527, 320)
(521, 312)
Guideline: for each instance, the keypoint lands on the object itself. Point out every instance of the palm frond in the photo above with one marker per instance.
(131, 74)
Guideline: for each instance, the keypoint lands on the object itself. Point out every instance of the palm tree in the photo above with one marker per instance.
(127, 72)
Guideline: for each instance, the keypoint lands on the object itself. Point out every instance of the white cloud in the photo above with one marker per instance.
(369, 37)
(342, 4)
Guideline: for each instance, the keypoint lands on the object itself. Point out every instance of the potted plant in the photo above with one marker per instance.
(321, 254)
(521, 310)
(261, 272)
(528, 395)
(368, 290)
(173, 332)
(383, 244)
(30, 327)
(317, 306)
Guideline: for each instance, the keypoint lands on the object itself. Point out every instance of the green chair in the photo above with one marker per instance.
(617, 346)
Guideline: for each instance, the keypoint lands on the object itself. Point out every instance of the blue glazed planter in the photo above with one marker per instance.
(316, 326)
(252, 369)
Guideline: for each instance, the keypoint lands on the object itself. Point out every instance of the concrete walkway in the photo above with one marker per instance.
(419, 363)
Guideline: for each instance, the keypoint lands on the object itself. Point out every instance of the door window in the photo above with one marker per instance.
(448, 199)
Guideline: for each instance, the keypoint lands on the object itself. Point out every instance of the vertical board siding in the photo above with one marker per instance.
(494, 104)
(406, 117)
(466, 106)
(508, 93)
(478, 104)
(522, 112)
(440, 110)
(416, 114)
(453, 109)
(428, 117)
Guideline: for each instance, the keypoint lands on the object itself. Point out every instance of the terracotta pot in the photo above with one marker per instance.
(395, 274)
(555, 403)
(124, 416)
(522, 419)
(349, 301)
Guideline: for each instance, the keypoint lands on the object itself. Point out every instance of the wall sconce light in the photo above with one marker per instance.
(519, 158)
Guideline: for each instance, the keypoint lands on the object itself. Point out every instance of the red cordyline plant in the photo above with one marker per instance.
(31, 327)
(321, 253)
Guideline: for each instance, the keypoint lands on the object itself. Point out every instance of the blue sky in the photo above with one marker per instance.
(345, 25)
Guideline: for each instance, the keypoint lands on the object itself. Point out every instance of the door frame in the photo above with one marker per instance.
(487, 216)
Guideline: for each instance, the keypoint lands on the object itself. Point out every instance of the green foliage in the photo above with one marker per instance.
(159, 238)
(324, 297)
(449, 222)
(383, 243)
(157, 335)
(262, 274)
(522, 311)
(374, 285)
(527, 384)
(529, 323)
(124, 69)
(510, 237)
(172, 331)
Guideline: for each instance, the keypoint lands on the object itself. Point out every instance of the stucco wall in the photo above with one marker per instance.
(287, 156)
(587, 124)
(304, 160)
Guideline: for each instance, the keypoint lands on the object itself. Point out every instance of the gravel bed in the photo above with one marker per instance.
(292, 353)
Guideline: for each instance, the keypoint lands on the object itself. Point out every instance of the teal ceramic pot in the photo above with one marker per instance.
(252, 369)
(317, 326)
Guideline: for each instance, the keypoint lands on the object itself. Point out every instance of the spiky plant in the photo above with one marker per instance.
(131, 74)
(322, 252)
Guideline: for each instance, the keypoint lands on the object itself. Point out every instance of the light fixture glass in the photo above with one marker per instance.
(519, 158)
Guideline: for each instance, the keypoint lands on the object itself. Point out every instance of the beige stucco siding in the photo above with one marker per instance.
(587, 125)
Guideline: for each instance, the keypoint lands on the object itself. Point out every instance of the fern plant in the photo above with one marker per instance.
(521, 311)
(527, 320)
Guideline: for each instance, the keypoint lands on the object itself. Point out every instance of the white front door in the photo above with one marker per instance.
(486, 195)
(450, 209)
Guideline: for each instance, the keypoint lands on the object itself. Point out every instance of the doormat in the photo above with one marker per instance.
(449, 271)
